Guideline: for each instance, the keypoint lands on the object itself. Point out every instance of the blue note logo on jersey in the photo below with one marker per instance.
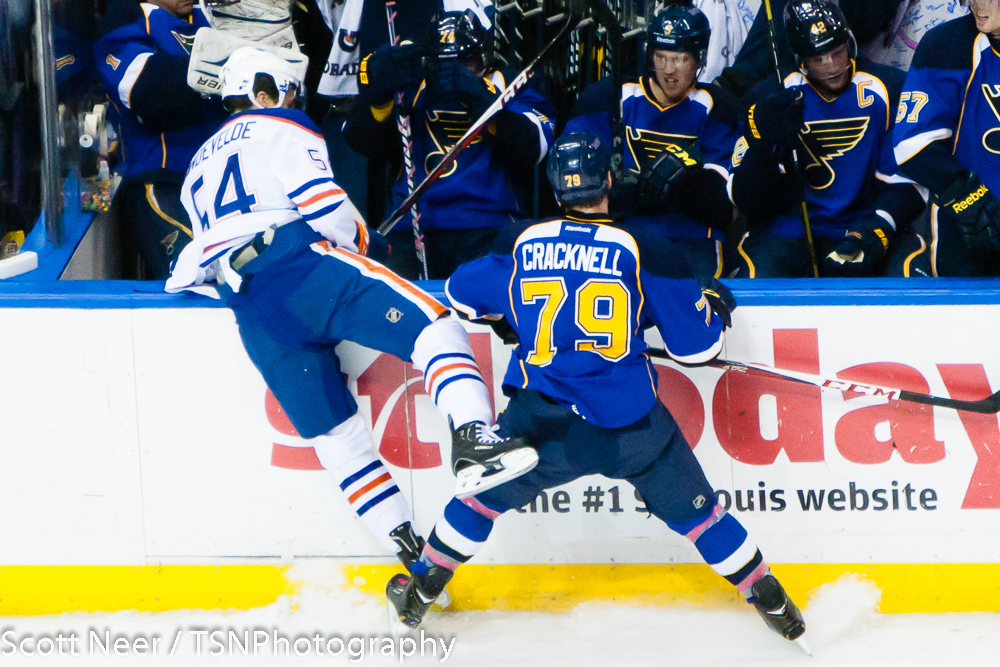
(186, 41)
(991, 139)
(445, 129)
(646, 145)
(828, 139)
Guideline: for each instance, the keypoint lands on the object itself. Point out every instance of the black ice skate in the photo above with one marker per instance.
(481, 459)
(410, 546)
(413, 596)
(778, 610)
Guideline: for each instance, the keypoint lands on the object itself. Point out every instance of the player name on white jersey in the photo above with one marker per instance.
(229, 133)
(569, 256)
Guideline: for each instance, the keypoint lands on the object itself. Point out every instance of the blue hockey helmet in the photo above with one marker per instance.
(578, 168)
(678, 28)
(815, 27)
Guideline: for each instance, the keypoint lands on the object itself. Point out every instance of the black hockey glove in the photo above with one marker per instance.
(863, 250)
(389, 70)
(721, 300)
(773, 119)
(663, 178)
(452, 81)
(973, 207)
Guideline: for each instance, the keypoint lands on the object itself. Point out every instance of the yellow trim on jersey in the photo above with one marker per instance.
(805, 77)
(934, 239)
(945, 587)
(163, 142)
(746, 257)
(718, 259)
(652, 99)
(525, 372)
(913, 255)
(153, 204)
(976, 61)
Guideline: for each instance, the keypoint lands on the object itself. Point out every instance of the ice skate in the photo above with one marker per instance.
(481, 459)
(410, 546)
(778, 611)
(412, 596)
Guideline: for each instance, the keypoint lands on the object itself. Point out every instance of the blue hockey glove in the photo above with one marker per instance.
(773, 119)
(452, 81)
(863, 250)
(721, 301)
(389, 70)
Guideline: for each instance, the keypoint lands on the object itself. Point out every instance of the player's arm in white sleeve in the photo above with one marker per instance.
(302, 164)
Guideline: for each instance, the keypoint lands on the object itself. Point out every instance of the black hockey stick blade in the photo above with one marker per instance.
(519, 82)
(986, 406)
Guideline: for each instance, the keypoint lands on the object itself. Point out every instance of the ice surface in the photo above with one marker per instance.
(844, 629)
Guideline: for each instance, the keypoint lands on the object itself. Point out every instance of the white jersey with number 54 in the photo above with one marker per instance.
(261, 169)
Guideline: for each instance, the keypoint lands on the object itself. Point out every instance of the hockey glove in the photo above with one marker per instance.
(454, 82)
(721, 301)
(663, 178)
(973, 207)
(773, 119)
(862, 251)
(389, 70)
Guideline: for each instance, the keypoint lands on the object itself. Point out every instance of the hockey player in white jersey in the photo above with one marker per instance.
(286, 250)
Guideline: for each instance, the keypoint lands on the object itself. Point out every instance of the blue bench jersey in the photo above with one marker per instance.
(952, 95)
(579, 292)
(131, 48)
(845, 154)
(706, 119)
(475, 192)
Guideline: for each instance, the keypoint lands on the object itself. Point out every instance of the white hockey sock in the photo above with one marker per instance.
(451, 375)
(346, 452)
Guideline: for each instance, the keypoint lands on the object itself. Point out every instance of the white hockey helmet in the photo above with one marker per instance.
(243, 66)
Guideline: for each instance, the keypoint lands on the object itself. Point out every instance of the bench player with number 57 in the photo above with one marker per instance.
(577, 292)
(286, 250)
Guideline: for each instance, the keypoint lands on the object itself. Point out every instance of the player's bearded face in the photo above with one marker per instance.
(675, 73)
(987, 13)
(175, 7)
(831, 70)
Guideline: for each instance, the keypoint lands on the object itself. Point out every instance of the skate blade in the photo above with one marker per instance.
(801, 641)
(511, 465)
(444, 600)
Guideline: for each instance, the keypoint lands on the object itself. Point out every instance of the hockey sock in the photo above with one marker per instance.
(346, 452)
(724, 544)
(451, 375)
(458, 535)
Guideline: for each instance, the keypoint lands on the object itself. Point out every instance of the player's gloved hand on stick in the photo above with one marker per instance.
(388, 70)
(862, 251)
(663, 178)
(774, 118)
(453, 81)
(974, 208)
(721, 301)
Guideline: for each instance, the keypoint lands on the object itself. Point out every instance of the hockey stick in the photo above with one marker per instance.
(796, 167)
(607, 19)
(406, 136)
(519, 82)
(987, 406)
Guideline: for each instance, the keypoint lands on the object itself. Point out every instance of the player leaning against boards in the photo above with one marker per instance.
(285, 248)
(836, 114)
(577, 292)
(948, 139)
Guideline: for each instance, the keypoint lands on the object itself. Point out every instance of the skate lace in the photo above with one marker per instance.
(487, 435)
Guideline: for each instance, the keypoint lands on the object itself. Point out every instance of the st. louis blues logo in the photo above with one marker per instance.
(445, 129)
(186, 41)
(828, 139)
(991, 139)
(646, 145)
(348, 41)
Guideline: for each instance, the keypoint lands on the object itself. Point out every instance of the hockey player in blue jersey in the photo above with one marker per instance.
(678, 143)
(286, 248)
(142, 57)
(464, 211)
(838, 117)
(948, 139)
(578, 292)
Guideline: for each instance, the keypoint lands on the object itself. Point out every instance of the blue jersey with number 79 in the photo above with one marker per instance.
(579, 291)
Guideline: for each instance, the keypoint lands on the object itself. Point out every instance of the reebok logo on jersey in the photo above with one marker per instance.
(960, 206)
(393, 315)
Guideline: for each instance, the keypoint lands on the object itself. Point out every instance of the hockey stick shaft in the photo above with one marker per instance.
(796, 167)
(406, 137)
(986, 406)
(519, 82)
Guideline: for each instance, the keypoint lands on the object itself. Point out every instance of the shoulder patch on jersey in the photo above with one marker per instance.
(620, 236)
(630, 90)
(981, 44)
(540, 231)
(872, 83)
(796, 79)
(496, 78)
(702, 97)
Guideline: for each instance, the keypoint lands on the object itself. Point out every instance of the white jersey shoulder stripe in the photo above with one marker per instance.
(702, 97)
(542, 230)
(608, 234)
